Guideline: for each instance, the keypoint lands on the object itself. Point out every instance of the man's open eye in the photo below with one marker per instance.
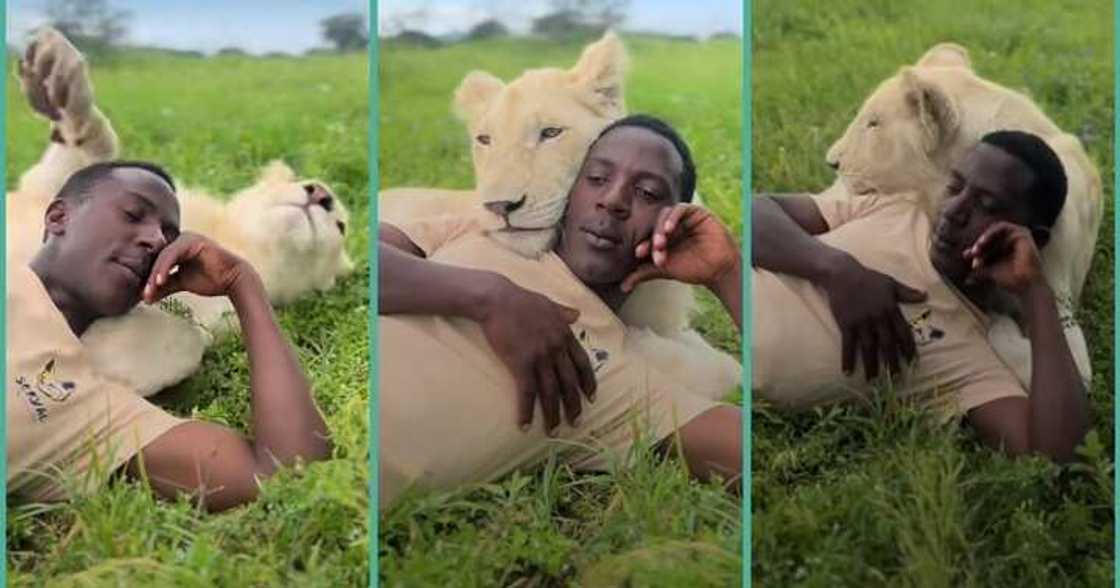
(648, 194)
(550, 133)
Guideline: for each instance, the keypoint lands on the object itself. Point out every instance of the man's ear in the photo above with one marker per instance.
(56, 219)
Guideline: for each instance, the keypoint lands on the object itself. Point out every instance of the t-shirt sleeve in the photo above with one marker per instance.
(991, 380)
(431, 234)
(837, 206)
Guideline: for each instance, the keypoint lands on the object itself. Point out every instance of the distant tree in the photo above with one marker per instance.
(580, 18)
(724, 35)
(348, 32)
(89, 24)
(232, 52)
(422, 39)
(487, 29)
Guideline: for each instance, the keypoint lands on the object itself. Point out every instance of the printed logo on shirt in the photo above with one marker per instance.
(597, 356)
(924, 330)
(44, 390)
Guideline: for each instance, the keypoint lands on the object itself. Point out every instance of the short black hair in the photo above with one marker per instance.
(79, 185)
(651, 123)
(1048, 192)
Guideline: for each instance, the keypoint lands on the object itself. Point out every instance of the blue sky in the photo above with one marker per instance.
(694, 17)
(258, 26)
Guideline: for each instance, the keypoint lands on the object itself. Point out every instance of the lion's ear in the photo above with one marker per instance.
(937, 113)
(599, 75)
(277, 172)
(946, 55)
(474, 95)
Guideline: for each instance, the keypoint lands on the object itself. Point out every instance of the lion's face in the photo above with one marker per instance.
(529, 138)
(297, 229)
(891, 145)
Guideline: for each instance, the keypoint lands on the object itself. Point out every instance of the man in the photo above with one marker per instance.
(111, 238)
(474, 337)
(871, 278)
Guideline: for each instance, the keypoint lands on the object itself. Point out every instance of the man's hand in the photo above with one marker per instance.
(689, 244)
(865, 303)
(204, 268)
(533, 337)
(1005, 255)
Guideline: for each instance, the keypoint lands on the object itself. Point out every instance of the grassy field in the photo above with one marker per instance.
(881, 496)
(214, 123)
(644, 526)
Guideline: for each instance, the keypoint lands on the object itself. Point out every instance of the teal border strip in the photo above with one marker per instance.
(374, 122)
(745, 337)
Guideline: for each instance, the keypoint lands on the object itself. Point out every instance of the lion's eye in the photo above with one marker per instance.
(871, 124)
(483, 139)
(341, 227)
(550, 133)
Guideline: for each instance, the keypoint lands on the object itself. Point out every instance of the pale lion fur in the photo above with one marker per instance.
(153, 347)
(517, 164)
(916, 124)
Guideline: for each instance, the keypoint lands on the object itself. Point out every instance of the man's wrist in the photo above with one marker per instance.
(729, 283)
(483, 295)
(828, 266)
(246, 287)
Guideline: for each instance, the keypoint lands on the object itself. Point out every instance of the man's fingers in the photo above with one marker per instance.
(888, 347)
(526, 397)
(584, 372)
(550, 397)
(908, 295)
(569, 388)
(643, 249)
(646, 271)
(848, 341)
(172, 284)
(869, 346)
(904, 336)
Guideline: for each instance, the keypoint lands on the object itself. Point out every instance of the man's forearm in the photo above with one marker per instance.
(1059, 410)
(286, 423)
(414, 285)
(779, 244)
(729, 290)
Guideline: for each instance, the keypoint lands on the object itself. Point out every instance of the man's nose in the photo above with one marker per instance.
(152, 237)
(957, 210)
(616, 199)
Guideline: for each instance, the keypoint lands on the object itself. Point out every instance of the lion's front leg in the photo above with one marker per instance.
(55, 81)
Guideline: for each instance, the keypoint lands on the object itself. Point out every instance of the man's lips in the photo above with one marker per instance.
(601, 238)
(138, 268)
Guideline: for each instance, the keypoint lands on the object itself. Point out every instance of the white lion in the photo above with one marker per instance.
(528, 140)
(291, 231)
(920, 121)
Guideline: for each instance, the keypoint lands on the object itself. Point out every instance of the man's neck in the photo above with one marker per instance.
(75, 313)
(611, 295)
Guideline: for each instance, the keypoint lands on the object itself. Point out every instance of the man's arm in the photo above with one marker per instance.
(864, 302)
(212, 462)
(530, 333)
(1054, 418)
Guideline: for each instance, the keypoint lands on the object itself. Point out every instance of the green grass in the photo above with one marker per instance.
(214, 123)
(873, 496)
(646, 525)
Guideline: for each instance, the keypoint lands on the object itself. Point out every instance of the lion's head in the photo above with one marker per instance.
(292, 231)
(529, 138)
(902, 136)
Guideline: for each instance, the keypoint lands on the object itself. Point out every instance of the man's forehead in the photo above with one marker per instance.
(995, 168)
(642, 143)
(141, 183)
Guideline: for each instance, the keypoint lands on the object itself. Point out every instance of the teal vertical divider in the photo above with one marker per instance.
(372, 329)
(745, 336)
(1115, 272)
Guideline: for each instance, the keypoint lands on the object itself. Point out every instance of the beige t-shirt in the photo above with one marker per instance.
(68, 427)
(796, 342)
(448, 406)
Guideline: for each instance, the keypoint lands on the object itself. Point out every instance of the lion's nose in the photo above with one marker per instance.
(504, 208)
(317, 195)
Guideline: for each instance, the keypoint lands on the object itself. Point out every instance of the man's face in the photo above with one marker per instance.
(988, 185)
(629, 175)
(106, 243)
